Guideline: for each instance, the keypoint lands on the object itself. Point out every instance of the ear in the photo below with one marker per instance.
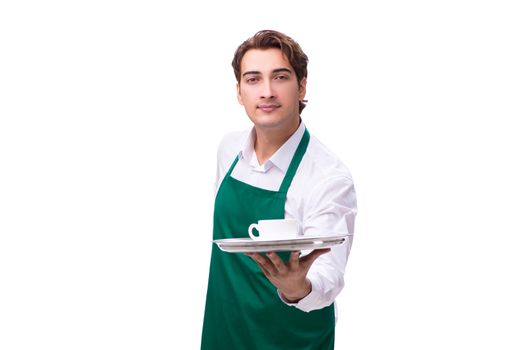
(302, 88)
(239, 97)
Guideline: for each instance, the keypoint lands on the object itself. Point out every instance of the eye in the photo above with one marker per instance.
(282, 77)
(251, 80)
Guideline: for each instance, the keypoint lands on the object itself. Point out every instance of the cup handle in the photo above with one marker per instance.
(250, 231)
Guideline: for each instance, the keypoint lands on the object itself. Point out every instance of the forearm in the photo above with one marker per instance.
(326, 278)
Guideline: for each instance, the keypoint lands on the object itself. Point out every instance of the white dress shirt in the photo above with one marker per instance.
(321, 198)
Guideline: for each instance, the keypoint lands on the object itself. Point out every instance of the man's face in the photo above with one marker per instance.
(268, 89)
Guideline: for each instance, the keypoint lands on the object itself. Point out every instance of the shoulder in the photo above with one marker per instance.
(322, 189)
(321, 164)
(322, 181)
(232, 140)
(230, 145)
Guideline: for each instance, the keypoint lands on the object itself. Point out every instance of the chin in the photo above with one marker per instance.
(269, 121)
(268, 124)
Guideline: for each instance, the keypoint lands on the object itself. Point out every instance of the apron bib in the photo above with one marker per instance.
(243, 310)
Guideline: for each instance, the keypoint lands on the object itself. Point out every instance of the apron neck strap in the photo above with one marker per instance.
(232, 167)
(295, 162)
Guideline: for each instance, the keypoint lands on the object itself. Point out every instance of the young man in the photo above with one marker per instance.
(276, 170)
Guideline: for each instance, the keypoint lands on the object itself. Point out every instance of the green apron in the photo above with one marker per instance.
(243, 310)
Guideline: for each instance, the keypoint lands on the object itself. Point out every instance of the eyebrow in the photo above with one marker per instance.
(278, 70)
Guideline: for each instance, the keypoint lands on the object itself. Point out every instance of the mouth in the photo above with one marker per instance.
(268, 107)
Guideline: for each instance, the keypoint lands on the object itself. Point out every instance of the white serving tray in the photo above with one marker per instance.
(247, 245)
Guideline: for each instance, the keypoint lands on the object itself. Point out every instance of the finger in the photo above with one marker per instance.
(264, 262)
(277, 262)
(309, 259)
(293, 260)
(264, 270)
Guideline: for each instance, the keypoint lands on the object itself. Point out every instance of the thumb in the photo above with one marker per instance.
(309, 259)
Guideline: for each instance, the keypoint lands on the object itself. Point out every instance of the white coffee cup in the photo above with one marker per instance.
(274, 229)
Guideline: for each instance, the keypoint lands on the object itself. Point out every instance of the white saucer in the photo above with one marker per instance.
(247, 245)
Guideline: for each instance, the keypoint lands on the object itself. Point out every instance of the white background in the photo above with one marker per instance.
(110, 115)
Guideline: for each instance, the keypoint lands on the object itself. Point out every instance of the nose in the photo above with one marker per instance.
(267, 91)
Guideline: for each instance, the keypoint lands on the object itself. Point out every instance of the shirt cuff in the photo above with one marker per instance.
(308, 303)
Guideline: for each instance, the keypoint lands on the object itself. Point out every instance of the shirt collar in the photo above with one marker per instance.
(281, 158)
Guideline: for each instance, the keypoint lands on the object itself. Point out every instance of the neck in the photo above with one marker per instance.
(269, 140)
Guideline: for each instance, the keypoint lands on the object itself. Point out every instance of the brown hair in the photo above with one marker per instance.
(266, 39)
